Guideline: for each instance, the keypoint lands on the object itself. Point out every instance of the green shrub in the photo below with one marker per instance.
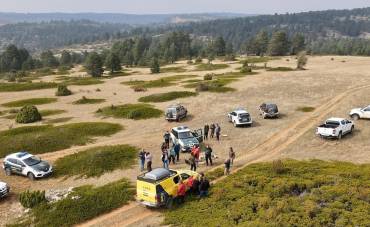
(79, 81)
(162, 82)
(307, 193)
(43, 139)
(173, 69)
(96, 161)
(208, 76)
(34, 101)
(28, 114)
(30, 199)
(62, 90)
(245, 69)
(164, 97)
(131, 111)
(210, 67)
(305, 109)
(202, 87)
(85, 100)
(12, 87)
(283, 69)
(189, 62)
(198, 60)
(84, 203)
(139, 89)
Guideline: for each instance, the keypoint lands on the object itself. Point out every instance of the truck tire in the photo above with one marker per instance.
(340, 135)
(355, 117)
(31, 176)
(8, 171)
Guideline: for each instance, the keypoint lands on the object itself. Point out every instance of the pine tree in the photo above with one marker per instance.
(94, 64)
(279, 44)
(155, 67)
(298, 43)
(112, 62)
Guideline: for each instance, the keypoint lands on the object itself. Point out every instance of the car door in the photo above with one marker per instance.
(18, 167)
(231, 116)
(367, 112)
(12, 163)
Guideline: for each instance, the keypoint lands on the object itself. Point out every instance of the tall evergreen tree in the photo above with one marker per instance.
(298, 43)
(65, 58)
(48, 59)
(261, 43)
(279, 44)
(155, 67)
(94, 64)
(219, 46)
(112, 62)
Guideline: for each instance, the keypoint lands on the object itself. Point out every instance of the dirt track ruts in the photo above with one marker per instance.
(267, 150)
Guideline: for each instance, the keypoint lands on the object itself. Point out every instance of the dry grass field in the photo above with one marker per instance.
(332, 87)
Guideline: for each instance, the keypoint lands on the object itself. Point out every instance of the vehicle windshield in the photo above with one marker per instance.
(332, 123)
(171, 110)
(244, 115)
(32, 161)
(185, 135)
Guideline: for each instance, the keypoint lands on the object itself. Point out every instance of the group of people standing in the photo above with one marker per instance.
(212, 130)
(145, 157)
(198, 185)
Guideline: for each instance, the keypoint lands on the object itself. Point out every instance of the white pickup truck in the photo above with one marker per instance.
(335, 128)
(358, 113)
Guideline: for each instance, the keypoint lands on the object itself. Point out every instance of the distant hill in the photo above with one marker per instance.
(131, 19)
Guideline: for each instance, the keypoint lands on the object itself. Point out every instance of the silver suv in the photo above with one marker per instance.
(176, 112)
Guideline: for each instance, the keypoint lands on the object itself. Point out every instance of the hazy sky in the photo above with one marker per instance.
(178, 6)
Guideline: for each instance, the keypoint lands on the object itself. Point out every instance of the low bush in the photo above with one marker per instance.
(198, 60)
(43, 139)
(139, 89)
(33, 101)
(12, 87)
(208, 76)
(164, 97)
(62, 90)
(63, 70)
(85, 100)
(96, 161)
(131, 111)
(189, 62)
(230, 57)
(305, 109)
(79, 81)
(162, 82)
(28, 114)
(245, 69)
(254, 60)
(30, 199)
(84, 203)
(210, 67)
(283, 69)
(306, 193)
(173, 70)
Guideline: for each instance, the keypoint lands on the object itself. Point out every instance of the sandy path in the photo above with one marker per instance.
(268, 150)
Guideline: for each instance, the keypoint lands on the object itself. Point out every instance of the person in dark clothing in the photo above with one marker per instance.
(142, 159)
(227, 166)
(212, 127)
(172, 155)
(218, 132)
(148, 159)
(177, 151)
(203, 187)
(208, 155)
(195, 187)
(231, 155)
(193, 165)
(166, 138)
(206, 129)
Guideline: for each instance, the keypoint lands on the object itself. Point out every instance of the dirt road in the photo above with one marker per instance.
(135, 215)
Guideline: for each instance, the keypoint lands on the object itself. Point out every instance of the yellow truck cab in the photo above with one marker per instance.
(159, 187)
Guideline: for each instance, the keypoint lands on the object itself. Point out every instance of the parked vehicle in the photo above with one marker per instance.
(335, 128)
(176, 112)
(26, 164)
(269, 110)
(186, 138)
(4, 189)
(159, 187)
(240, 117)
(359, 113)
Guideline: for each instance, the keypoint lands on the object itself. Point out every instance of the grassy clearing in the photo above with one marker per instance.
(163, 82)
(79, 81)
(84, 203)
(34, 101)
(85, 100)
(210, 67)
(164, 97)
(175, 69)
(43, 139)
(46, 113)
(282, 69)
(289, 193)
(117, 74)
(131, 111)
(12, 87)
(255, 60)
(96, 161)
(58, 120)
(305, 109)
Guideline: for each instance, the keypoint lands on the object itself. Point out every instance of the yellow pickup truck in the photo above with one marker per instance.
(159, 187)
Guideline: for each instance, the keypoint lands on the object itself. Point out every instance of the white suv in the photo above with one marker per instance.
(360, 113)
(4, 189)
(26, 164)
(240, 117)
